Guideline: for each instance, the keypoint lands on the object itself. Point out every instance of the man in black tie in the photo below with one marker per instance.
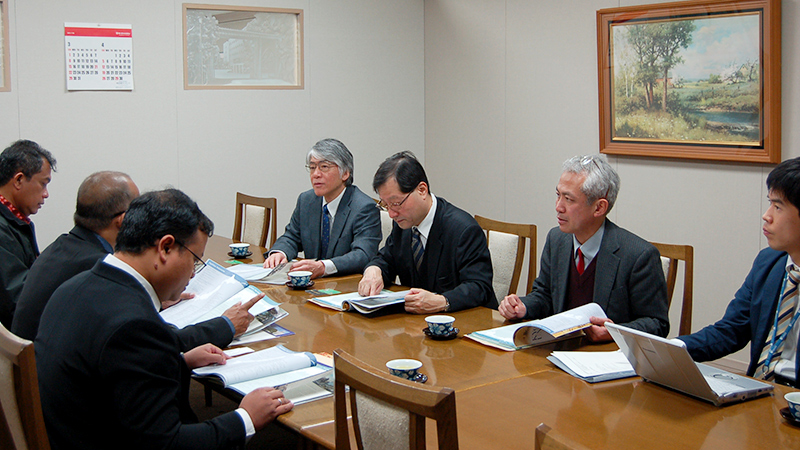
(335, 224)
(436, 248)
(587, 258)
(764, 311)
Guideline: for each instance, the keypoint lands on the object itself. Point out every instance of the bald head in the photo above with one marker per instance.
(103, 197)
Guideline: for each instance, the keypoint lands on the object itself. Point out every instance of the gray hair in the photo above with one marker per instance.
(602, 181)
(333, 150)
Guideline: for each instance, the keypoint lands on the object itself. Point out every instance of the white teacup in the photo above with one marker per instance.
(440, 325)
(404, 368)
(239, 250)
(300, 278)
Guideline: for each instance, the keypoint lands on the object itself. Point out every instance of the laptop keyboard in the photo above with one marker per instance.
(722, 386)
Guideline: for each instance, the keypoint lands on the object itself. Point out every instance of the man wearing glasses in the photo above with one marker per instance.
(587, 258)
(334, 224)
(103, 199)
(110, 369)
(436, 248)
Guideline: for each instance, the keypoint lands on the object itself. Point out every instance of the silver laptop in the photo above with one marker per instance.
(668, 363)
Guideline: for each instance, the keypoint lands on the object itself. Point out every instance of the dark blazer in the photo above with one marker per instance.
(111, 372)
(355, 235)
(629, 282)
(456, 262)
(749, 316)
(18, 250)
(71, 254)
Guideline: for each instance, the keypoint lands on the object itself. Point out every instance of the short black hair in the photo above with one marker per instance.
(26, 157)
(404, 168)
(785, 180)
(102, 197)
(156, 214)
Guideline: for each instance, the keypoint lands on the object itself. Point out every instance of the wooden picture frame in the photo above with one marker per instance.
(5, 65)
(721, 96)
(241, 47)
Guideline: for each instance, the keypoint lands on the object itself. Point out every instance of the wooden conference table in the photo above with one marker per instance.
(502, 396)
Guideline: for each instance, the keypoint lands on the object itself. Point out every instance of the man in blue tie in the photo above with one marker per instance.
(764, 310)
(335, 224)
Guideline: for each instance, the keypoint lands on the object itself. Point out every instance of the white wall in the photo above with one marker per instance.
(363, 85)
(511, 92)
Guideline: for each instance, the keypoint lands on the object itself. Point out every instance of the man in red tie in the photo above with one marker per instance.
(587, 258)
(764, 310)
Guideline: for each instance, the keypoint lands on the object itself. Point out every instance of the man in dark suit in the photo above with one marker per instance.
(335, 224)
(111, 372)
(587, 258)
(103, 198)
(436, 248)
(25, 172)
(752, 315)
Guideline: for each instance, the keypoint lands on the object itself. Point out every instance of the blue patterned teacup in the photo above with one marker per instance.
(404, 368)
(300, 278)
(239, 250)
(793, 398)
(440, 325)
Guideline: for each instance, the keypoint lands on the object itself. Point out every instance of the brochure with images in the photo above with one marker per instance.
(216, 289)
(565, 325)
(302, 376)
(365, 305)
(256, 273)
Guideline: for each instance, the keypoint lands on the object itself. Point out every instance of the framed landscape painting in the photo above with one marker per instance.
(691, 80)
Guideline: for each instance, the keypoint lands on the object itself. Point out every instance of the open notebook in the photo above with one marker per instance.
(668, 363)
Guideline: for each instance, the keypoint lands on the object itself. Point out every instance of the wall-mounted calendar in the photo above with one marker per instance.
(98, 56)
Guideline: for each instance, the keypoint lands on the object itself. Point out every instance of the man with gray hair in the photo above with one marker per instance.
(587, 258)
(336, 225)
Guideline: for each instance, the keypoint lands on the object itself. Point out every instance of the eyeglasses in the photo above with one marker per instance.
(383, 206)
(323, 167)
(198, 262)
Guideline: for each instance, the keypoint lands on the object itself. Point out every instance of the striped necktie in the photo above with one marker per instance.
(326, 232)
(416, 248)
(785, 312)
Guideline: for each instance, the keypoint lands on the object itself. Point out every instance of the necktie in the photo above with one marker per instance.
(782, 325)
(416, 248)
(580, 262)
(326, 232)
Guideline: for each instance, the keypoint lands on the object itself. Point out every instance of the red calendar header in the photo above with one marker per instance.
(98, 32)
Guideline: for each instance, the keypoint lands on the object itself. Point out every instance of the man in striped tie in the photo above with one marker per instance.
(764, 311)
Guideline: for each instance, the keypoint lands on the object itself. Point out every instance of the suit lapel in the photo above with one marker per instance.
(769, 300)
(433, 248)
(342, 212)
(606, 266)
(315, 228)
(561, 270)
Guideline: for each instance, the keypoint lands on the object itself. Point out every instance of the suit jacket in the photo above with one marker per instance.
(71, 254)
(749, 316)
(355, 235)
(18, 250)
(456, 262)
(111, 371)
(629, 282)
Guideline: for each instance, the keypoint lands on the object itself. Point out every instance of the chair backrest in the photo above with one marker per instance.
(22, 425)
(256, 217)
(389, 412)
(507, 246)
(548, 439)
(671, 254)
(386, 228)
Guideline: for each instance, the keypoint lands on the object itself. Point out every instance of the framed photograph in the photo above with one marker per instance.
(238, 47)
(691, 80)
(5, 70)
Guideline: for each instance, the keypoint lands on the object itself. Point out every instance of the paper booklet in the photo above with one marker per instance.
(258, 274)
(593, 366)
(364, 305)
(565, 325)
(299, 375)
(216, 289)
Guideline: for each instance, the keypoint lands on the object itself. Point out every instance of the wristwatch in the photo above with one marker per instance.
(446, 305)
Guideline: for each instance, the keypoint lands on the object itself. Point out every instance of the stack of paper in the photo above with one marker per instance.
(593, 366)
(364, 305)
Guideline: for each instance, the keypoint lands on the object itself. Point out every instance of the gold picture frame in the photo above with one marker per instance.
(241, 47)
(691, 80)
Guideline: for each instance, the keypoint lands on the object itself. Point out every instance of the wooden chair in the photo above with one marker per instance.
(389, 412)
(507, 246)
(548, 439)
(22, 425)
(256, 217)
(672, 254)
